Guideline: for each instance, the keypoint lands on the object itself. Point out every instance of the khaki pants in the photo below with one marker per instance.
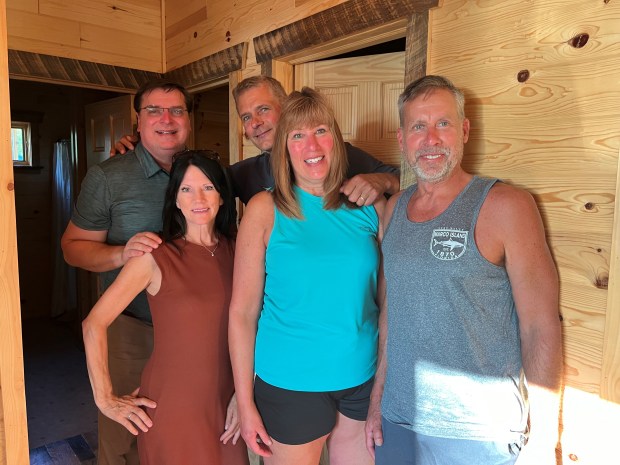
(130, 343)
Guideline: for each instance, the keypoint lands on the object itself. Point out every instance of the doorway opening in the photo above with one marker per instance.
(210, 121)
(58, 398)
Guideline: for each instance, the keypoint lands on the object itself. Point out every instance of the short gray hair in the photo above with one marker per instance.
(256, 81)
(424, 86)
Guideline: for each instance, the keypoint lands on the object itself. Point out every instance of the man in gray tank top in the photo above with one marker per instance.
(470, 351)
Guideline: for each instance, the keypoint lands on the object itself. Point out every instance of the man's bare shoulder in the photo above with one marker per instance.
(510, 211)
(507, 199)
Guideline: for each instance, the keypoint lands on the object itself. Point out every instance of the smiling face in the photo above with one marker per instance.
(163, 135)
(310, 150)
(197, 198)
(259, 111)
(433, 135)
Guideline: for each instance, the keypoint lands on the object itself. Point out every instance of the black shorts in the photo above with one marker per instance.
(299, 417)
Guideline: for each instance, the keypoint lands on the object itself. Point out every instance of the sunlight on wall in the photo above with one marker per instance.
(591, 429)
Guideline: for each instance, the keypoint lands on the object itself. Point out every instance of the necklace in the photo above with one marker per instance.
(212, 252)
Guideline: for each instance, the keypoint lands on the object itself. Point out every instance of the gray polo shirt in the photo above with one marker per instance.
(123, 196)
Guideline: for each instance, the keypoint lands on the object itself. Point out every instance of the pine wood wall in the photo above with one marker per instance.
(197, 28)
(122, 33)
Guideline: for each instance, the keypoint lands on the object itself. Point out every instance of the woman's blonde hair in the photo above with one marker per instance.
(304, 109)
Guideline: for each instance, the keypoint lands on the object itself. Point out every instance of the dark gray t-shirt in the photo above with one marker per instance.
(123, 196)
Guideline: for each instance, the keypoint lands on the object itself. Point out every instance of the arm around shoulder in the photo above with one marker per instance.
(368, 177)
(89, 250)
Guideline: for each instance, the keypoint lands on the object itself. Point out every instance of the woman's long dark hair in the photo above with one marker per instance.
(175, 226)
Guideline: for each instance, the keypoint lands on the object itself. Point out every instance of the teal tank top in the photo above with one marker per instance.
(318, 326)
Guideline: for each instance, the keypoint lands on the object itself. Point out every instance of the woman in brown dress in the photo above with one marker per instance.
(179, 409)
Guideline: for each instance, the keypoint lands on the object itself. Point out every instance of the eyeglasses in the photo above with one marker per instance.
(210, 154)
(159, 111)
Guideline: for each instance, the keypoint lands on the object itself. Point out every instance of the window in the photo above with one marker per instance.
(21, 146)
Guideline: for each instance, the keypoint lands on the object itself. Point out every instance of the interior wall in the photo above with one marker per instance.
(58, 108)
(126, 33)
(199, 28)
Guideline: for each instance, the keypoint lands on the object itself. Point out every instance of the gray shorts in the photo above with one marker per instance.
(402, 446)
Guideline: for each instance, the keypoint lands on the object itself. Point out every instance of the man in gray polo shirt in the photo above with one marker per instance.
(115, 218)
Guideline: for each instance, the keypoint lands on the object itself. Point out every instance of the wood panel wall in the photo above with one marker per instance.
(197, 28)
(122, 33)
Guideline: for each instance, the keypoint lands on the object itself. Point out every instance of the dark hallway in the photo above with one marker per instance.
(62, 417)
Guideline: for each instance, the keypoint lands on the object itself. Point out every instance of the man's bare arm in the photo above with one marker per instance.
(534, 282)
(89, 250)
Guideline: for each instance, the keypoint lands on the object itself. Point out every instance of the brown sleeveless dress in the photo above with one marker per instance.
(189, 373)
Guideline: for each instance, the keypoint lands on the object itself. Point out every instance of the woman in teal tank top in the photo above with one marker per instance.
(304, 310)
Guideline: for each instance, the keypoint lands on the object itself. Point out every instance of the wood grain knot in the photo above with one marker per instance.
(602, 282)
(579, 40)
(10, 186)
(228, 36)
(589, 206)
(573, 457)
(195, 34)
(523, 75)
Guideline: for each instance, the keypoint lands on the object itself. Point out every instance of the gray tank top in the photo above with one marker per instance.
(454, 352)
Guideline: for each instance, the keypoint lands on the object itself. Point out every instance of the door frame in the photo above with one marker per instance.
(13, 426)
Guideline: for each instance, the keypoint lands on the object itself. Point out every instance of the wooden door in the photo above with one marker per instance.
(363, 92)
(106, 122)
